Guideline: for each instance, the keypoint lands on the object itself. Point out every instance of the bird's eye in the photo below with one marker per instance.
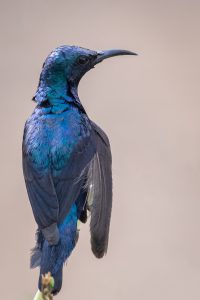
(82, 60)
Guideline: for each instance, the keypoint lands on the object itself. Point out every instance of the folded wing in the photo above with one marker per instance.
(99, 197)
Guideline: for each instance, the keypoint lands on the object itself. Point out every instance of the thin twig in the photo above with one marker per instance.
(47, 287)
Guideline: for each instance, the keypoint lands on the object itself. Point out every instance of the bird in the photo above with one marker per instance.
(67, 162)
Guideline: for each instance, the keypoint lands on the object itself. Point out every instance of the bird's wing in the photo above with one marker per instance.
(99, 185)
(43, 199)
(51, 197)
(73, 176)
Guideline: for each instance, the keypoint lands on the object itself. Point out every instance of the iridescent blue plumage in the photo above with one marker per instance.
(66, 162)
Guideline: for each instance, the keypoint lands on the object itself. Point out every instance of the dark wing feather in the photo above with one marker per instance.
(42, 195)
(51, 197)
(100, 193)
(73, 176)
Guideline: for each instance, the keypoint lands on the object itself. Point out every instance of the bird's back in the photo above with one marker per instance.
(49, 139)
(56, 150)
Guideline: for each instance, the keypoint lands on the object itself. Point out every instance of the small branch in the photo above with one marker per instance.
(47, 287)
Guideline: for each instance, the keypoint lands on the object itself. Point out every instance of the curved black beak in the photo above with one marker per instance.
(110, 53)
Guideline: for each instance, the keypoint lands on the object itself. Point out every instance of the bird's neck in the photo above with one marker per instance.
(59, 93)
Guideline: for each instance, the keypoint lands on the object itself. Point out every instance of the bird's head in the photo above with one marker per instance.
(63, 69)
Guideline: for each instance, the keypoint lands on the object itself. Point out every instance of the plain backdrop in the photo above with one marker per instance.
(149, 105)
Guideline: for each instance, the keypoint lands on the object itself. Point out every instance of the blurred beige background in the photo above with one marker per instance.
(149, 105)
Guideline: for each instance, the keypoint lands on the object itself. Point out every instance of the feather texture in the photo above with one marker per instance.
(36, 252)
(99, 196)
(53, 257)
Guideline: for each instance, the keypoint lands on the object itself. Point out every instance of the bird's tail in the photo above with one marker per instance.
(53, 257)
